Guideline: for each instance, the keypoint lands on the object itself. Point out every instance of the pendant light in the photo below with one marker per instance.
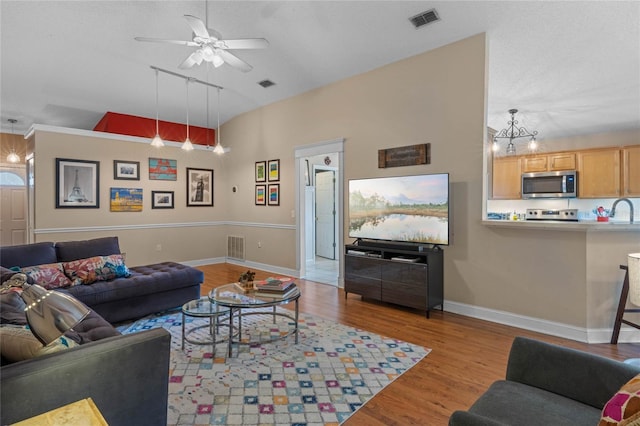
(513, 132)
(187, 145)
(157, 140)
(218, 149)
(13, 157)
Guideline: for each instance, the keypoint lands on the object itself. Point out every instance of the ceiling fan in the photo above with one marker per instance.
(211, 47)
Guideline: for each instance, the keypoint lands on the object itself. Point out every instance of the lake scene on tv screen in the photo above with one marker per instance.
(405, 208)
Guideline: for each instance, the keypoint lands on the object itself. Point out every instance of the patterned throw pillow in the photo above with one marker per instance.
(97, 268)
(49, 276)
(623, 409)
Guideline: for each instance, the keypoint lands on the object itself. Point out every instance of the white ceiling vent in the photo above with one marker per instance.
(424, 18)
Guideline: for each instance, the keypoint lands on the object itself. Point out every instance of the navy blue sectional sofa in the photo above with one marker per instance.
(149, 288)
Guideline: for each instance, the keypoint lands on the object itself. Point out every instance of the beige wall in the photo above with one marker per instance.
(438, 97)
(180, 234)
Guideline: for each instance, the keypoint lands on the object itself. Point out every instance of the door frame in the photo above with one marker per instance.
(301, 152)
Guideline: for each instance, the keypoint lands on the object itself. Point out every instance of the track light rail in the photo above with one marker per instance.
(189, 79)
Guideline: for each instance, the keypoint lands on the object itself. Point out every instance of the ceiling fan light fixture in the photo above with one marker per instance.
(217, 60)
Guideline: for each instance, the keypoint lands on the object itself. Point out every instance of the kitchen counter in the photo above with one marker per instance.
(557, 225)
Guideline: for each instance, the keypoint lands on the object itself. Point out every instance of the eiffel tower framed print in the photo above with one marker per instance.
(77, 183)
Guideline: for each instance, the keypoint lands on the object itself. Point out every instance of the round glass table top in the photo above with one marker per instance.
(232, 296)
(203, 307)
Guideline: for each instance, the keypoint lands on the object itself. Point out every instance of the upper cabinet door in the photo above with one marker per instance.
(631, 171)
(534, 164)
(564, 161)
(599, 173)
(507, 175)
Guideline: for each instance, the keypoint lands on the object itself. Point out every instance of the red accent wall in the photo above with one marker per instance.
(124, 124)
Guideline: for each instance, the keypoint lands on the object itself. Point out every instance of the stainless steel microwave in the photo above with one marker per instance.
(561, 184)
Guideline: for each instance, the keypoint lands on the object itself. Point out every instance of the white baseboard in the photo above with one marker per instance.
(627, 334)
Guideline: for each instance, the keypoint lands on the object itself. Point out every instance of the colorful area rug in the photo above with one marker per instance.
(322, 380)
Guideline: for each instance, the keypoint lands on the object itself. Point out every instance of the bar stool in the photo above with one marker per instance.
(622, 305)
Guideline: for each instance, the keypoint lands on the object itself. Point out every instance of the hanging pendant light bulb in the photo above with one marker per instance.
(218, 149)
(187, 145)
(13, 156)
(157, 140)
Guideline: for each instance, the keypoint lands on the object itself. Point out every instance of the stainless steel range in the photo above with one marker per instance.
(543, 214)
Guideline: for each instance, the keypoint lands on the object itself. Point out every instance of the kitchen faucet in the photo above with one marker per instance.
(615, 203)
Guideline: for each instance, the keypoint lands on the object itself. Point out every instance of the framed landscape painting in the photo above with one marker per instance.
(163, 169)
(126, 200)
(77, 183)
(126, 170)
(199, 187)
(161, 199)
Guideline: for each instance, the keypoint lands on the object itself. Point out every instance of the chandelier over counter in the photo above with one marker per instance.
(514, 132)
(13, 156)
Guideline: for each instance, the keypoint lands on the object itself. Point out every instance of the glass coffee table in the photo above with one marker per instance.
(203, 308)
(233, 298)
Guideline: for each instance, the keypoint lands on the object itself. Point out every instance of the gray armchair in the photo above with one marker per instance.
(548, 385)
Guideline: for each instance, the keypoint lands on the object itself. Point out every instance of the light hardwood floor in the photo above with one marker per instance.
(467, 354)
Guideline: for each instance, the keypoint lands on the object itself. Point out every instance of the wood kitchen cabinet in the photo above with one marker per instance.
(631, 171)
(599, 173)
(507, 175)
(549, 163)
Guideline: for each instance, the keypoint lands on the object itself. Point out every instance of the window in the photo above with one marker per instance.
(11, 179)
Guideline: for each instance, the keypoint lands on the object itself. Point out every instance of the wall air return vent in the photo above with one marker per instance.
(266, 83)
(235, 247)
(424, 18)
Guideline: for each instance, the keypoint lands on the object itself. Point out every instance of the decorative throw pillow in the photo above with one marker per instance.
(18, 344)
(97, 268)
(49, 276)
(623, 409)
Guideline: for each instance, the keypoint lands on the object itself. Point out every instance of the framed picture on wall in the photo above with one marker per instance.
(274, 194)
(163, 169)
(274, 170)
(161, 199)
(261, 195)
(126, 170)
(199, 187)
(77, 183)
(261, 171)
(125, 200)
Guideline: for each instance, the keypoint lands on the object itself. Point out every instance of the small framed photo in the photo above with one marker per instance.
(274, 170)
(163, 169)
(199, 187)
(261, 171)
(161, 199)
(126, 200)
(261, 196)
(77, 183)
(126, 170)
(274, 194)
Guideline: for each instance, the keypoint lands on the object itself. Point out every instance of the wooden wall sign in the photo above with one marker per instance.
(404, 156)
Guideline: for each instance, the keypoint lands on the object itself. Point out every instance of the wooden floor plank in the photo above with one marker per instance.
(467, 354)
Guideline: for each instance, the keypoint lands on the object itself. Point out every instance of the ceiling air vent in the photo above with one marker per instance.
(266, 83)
(424, 18)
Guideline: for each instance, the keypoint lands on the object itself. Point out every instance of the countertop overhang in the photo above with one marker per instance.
(558, 225)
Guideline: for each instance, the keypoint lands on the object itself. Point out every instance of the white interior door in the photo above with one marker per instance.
(13, 215)
(325, 213)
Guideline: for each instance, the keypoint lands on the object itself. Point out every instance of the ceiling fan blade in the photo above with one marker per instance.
(245, 43)
(198, 27)
(234, 61)
(194, 59)
(160, 40)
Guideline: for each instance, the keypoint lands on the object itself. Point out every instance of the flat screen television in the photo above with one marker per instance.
(411, 209)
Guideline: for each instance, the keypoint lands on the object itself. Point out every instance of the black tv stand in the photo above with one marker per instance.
(405, 274)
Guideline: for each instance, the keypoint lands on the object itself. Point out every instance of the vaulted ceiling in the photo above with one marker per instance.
(570, 67)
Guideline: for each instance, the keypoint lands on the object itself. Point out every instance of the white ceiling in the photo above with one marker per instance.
(570, 67)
